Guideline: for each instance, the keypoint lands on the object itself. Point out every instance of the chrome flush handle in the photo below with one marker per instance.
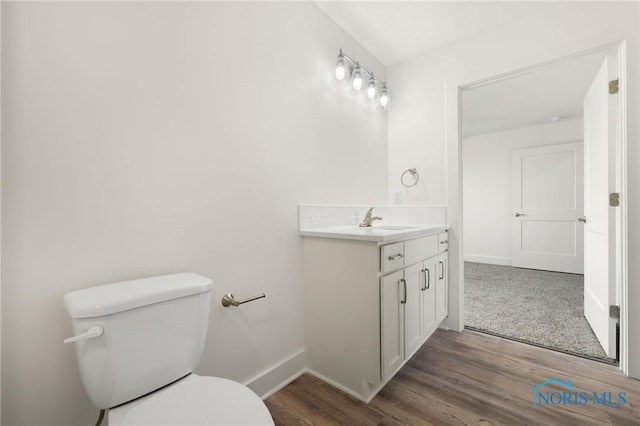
(229, 300)
(92, 333)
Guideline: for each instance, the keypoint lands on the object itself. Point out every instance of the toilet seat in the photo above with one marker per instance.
(194, 400)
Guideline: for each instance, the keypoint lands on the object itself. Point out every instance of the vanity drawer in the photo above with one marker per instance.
(420, 249)
(443, 242)
(391, 257)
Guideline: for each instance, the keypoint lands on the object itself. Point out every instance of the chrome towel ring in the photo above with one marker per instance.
(411, 179)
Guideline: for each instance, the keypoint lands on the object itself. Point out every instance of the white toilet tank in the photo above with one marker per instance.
(154, 333)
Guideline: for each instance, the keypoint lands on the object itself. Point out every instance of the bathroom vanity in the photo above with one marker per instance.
(372, 297)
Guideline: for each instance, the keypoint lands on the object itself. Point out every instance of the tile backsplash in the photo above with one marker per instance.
(318, 216)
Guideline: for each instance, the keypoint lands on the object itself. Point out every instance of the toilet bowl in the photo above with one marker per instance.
(194, 400)
(137, 343)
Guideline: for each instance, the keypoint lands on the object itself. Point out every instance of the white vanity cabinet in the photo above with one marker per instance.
(413, 301)
(407, 314)
(369, 306)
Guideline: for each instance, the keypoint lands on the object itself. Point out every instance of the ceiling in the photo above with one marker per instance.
(397, 31)
(530, 99)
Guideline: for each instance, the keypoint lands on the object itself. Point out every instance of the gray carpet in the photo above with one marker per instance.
(541, 307)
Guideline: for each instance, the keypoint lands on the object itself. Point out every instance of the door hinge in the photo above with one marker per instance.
(614, 312)
(614, 199)
(614, 86)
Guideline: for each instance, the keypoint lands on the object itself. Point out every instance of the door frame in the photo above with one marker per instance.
(453, 95)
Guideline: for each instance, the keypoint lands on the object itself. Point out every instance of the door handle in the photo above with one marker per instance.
(518, 214)
(427, 277)
(441, 269)
(582, 219)
(404, 283)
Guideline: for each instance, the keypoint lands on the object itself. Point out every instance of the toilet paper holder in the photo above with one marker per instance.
(229, 300)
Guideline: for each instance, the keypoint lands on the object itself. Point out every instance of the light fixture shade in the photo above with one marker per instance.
(384, 97)
(357, 79)
(371, 88)
(341, 71)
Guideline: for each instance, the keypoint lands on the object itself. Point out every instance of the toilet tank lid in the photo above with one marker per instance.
(117, 297)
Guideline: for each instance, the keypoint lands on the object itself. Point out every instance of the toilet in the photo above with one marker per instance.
(137, 343)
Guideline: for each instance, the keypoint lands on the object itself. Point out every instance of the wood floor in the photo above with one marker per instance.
(467, 378)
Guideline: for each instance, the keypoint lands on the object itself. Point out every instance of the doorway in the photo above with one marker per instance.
(524, 210)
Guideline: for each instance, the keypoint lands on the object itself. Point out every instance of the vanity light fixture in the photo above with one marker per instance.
(341, 71)
(384, 96)
(376, 89)
(371, 89)
(356, 80)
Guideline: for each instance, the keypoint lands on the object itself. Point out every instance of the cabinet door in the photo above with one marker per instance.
(428, 321)
(412, 336)
(392, 297)
(442, 287)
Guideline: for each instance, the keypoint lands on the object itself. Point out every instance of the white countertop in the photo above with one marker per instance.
(375, 233)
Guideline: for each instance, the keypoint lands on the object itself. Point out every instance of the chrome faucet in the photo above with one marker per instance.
(366, 222)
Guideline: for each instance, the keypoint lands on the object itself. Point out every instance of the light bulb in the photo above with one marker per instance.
(371, 89)
(357, 79)
(340, 69)
(384, 97)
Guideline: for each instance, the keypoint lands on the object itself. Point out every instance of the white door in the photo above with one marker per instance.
(600, 116)
(428, 300)
(413, 277)
(392, 297)
(547, 201)
(442, 287)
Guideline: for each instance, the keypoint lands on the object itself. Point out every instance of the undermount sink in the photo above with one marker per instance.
(392, 227)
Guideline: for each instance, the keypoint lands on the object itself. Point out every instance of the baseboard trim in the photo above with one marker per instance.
(280, 375)
(346, 389)
(493, 260)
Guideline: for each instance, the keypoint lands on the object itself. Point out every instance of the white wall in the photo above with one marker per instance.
(150, 138)
(487, 185)
(423, 123)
